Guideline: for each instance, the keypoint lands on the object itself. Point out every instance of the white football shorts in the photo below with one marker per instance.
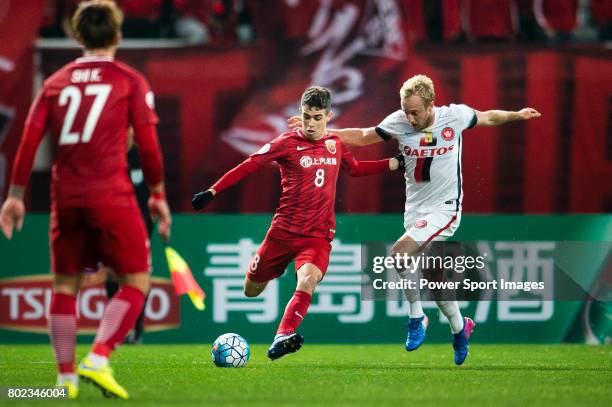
(425, 227)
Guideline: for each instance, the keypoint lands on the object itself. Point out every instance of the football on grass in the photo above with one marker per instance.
(230, 350)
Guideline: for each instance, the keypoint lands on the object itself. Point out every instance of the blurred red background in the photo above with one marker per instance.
(220, 102)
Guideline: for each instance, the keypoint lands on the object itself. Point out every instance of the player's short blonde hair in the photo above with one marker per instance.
(419, 85)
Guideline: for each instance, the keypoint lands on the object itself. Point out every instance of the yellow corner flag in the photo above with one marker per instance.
(183, 280)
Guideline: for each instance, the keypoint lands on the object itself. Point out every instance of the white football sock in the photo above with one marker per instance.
(63, 378)
(413, 296)
(450, 309)
(98, 361)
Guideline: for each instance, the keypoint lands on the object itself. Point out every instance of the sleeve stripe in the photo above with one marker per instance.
(473, 121)
(385, 135)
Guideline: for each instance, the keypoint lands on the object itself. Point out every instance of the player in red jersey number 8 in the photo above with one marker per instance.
(304, 224)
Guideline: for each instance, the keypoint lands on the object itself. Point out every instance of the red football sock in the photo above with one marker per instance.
(294, 313)
(119, 317)
(62, 325)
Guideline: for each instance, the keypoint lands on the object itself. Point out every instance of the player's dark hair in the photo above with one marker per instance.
(317, 97)
(97, 23)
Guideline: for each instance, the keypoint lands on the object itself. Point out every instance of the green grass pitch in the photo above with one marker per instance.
(337, 375)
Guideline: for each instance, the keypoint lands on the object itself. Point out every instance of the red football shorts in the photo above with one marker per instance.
(280, 247)
(84, 237)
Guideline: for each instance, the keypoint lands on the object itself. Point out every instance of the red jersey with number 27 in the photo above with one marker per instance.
(88, 106)
(309, 172)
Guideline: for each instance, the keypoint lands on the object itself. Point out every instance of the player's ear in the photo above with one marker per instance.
(330, 114)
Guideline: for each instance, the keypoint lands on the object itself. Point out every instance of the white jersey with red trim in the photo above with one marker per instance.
(433, 157)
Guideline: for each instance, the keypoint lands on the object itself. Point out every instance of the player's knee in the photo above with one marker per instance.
(398, 248)
(252, 288)
(434, 274)
(307, 281)
(64, 284)
(140, 281)
(251, 292)
(404, 247)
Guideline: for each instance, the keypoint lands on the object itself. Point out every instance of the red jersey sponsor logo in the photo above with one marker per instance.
(331, 146)
(420, 224)
(307, 161)
(448, 133)
(25, 301)
(427, 152)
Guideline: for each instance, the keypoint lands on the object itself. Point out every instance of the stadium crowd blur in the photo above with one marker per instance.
(449, 21)
(196, 21)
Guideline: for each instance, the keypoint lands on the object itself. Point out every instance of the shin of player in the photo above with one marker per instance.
(119, 316)
(418, 320)
(62, 324)
(308, 276)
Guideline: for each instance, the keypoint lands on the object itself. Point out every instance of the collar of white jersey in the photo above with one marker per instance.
(94, 58)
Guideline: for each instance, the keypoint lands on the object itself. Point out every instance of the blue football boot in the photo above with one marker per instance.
(284, 344)
(460, 340)
(417, 328)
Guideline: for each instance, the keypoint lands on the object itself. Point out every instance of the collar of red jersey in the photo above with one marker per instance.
(302, 135)
(94, 58)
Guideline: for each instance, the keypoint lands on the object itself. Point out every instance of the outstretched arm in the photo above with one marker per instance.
(269, 152)
(233, 176)
(358, 137)
(351, 137)
(236, 174)
(356, 168)
(497, 117)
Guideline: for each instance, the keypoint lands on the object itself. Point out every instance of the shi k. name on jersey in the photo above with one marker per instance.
(86, 75)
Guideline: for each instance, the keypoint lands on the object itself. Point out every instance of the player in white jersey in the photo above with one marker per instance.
(430, 138)
(433, 168)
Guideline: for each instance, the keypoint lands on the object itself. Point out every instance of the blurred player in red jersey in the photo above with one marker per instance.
(310, 160)
(87, 107)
